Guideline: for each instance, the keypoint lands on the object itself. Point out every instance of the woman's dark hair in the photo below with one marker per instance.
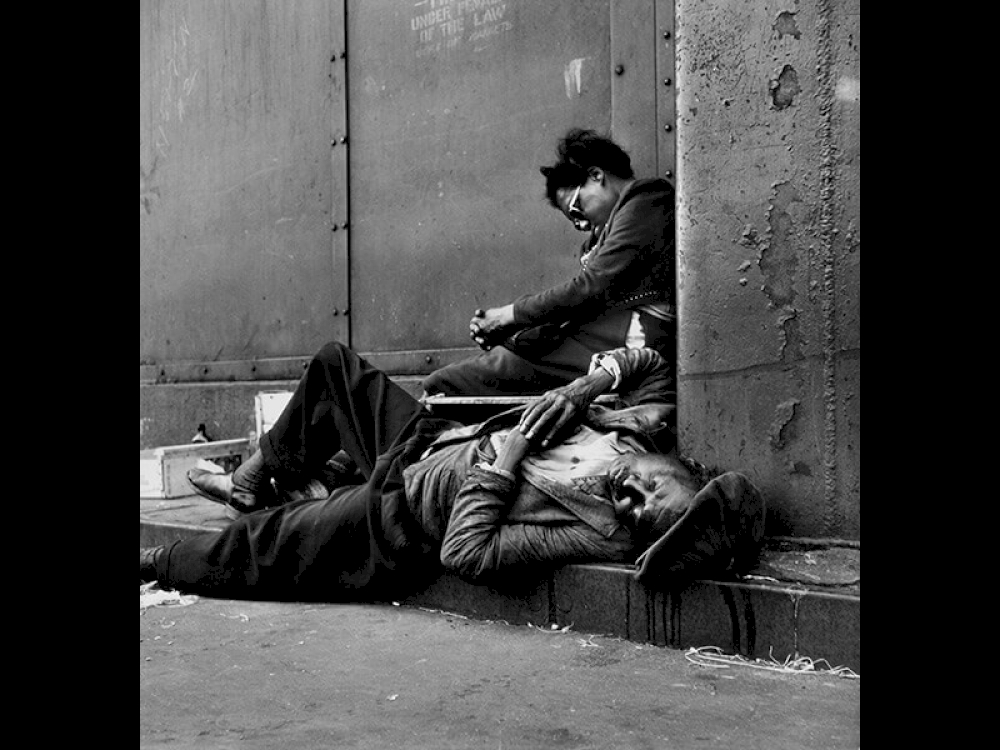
(577, 152)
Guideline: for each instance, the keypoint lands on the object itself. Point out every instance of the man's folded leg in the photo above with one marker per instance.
(341, 406)
(342, 403)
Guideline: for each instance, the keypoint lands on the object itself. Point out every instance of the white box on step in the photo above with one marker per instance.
(268, 406)
(163, 471)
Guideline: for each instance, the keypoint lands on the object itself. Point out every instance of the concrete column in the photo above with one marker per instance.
(769, 177)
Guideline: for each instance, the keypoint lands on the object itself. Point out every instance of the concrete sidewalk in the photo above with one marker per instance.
(219, 674)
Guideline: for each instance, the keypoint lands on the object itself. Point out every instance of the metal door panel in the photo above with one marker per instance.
(239, 103)
(665, 86)
(454, 106)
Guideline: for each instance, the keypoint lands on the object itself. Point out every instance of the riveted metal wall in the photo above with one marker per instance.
(664, 51)
(454, 105)
(240, 186)
(362, 171)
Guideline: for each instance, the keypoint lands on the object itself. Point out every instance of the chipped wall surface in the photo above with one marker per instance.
(769, 234)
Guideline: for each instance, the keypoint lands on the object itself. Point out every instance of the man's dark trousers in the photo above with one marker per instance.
(362, 541)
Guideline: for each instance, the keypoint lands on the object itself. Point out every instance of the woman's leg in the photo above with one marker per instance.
(498, 372)
(501, 372)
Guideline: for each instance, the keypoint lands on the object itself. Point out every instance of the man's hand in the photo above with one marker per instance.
(556, 409)
(511, 452)
(489, 327)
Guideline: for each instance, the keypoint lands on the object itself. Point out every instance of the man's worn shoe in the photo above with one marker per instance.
(219, 488)
(147, 563)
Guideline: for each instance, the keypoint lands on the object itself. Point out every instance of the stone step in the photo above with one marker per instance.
(803, 599)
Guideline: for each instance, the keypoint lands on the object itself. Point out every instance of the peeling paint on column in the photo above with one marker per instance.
(743, 268)
(785, 25)
(791, 345)
(785, 88)
(785, 414)
(779, 254)
(778, 259)
(800, 468)
(749, 238)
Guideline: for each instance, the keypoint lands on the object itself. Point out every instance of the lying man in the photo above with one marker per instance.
(561, 480)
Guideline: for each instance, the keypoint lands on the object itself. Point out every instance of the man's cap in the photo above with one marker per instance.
(720, 533)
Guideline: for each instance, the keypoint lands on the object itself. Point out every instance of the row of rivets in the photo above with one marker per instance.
(667, 82)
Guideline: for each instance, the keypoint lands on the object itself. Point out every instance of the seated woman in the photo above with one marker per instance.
(623, 294)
